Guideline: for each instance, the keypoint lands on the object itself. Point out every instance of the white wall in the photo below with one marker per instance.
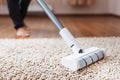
(101, 7)
(114, 7)
(62, 7)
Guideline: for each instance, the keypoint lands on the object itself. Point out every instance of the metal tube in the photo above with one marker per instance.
(50, 14)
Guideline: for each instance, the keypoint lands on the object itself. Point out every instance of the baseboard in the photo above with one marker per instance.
(82, 15)
(104, 14)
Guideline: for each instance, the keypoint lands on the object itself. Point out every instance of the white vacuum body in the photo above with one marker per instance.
(81, 58)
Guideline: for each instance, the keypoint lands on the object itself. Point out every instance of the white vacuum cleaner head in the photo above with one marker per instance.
(80, 60)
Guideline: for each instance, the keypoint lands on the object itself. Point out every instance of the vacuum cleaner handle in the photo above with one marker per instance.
(50, 14)
(64, 32)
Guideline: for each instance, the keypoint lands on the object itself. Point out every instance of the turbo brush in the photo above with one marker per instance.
(81, 58)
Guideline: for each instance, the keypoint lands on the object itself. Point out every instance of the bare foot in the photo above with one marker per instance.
(22, 33)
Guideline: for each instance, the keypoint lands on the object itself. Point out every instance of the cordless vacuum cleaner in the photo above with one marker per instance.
(81, 58)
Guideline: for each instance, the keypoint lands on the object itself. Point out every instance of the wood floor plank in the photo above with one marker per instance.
(80, 26)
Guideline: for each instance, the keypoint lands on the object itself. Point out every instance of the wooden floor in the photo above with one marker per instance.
(80, 26)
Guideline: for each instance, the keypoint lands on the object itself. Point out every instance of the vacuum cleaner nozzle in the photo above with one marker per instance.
(80, 60)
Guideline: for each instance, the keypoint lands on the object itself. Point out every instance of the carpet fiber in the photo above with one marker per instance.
(39, 59)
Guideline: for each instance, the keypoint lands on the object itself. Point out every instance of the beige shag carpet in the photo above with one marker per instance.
(39, 59)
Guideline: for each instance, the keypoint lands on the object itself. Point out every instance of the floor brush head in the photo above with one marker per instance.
(77, 61)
